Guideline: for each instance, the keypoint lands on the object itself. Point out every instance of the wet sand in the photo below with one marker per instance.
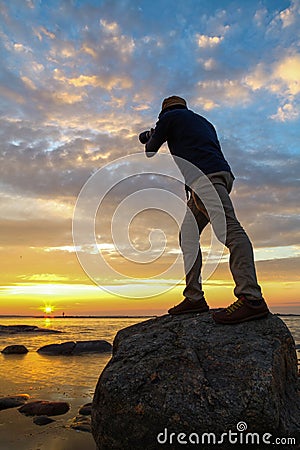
(18, 432)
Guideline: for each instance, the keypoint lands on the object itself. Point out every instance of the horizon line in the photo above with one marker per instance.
(75, 316)
(104, 316)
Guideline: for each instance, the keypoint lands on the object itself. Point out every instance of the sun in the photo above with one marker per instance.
(48, 309)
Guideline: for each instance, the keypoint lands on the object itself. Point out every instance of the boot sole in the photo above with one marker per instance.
(245, 319)
(189, 311)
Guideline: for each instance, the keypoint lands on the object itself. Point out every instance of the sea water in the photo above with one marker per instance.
(58, 377)
(66, 377)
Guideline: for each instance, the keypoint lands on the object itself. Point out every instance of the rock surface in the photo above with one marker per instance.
(44, 408)
(15, 350)
(16, 329)
(186, 374)
(76, 348)
(13, 401)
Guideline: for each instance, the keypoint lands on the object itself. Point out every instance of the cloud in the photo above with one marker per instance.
(283, 81)
(40, 32)
(260, 16)
(221, 93)
(273, 270)
(21, 48)
(209, 64)
(89, 50)
(44, 277)
(35, 232)
(286, 17)
(108, 83)
(29, 83)
(287, 71)
(208, 41)
(282, 78)
(286, 112)
(81, 82)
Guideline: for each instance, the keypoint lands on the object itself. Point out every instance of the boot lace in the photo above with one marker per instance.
(234, 306)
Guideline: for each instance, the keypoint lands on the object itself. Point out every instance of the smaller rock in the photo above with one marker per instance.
(44, 408)
(42, 420)
(66, 348)
(76, 348)
(16, 329)
(81, 423)
(86, 410)
(13, 401)
(14, 350)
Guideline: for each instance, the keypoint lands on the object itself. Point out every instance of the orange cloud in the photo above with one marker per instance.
(42, 31)
(96, 81)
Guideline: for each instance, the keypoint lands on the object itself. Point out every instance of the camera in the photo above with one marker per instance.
(145, 136)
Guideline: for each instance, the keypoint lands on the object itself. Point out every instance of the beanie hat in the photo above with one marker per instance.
(172, 101)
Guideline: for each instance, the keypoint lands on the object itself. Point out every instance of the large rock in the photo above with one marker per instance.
(76, 348)
(189, 375)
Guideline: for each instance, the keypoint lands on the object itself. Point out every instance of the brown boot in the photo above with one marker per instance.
(241, 311)
(187, 306)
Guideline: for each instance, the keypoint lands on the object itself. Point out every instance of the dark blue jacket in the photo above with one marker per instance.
(191, 137)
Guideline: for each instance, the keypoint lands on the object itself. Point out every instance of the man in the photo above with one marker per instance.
(192, 138)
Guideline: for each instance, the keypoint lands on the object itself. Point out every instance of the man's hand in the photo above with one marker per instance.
(145, 136)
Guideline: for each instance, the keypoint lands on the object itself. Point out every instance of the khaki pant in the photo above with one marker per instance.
(241, 259)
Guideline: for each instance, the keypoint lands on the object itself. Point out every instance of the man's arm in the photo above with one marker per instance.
(156, 137)
(152, 147)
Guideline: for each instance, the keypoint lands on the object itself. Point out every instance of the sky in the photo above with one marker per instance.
(79, 81)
